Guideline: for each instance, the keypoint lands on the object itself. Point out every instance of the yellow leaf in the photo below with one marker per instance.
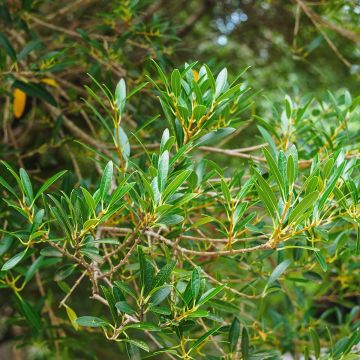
(262, 335)
(19, 103)
(196, 75)
(50, 82)
(72, 317)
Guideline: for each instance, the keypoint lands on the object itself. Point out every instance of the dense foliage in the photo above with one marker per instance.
(198, 220)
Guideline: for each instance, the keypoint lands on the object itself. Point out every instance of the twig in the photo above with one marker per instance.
(314, 20)
(232, 153)
(77, 282)
(265, 246)
(351, 35)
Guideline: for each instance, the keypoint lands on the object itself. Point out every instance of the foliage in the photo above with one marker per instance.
(165, 242)
(300, 208)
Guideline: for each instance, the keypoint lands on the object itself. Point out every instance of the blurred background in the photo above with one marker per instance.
(47, 48)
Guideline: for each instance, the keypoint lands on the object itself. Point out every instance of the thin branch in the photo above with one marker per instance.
(314, 20)
(265, 246)
(77, 282)
(351, 35)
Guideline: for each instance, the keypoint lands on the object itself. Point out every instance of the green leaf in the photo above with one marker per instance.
(33, 268)
(312, 183)
(275, 171)
(155, 193)
(199, 111)
(38, 219)
(305, 204)
(163, 170)
(48, 183)
(119, 193)
(138, 343)
(30, 314)
(234, 334)
(5, 243)
(5, 43)
(123, 141)
(146, 326)
(163, 275)
(64, 271)
(7, 186)
(228, 93)
(266, 195)
(210, 294)
(164, 139)
(142, 263)
(50, 251)
(13, 261)
(288, 106)
(203, 338)
(290, 170)
(27, 184)
(120, 96)
(161, 73)
(245, 343)
(124, 307)
(159, 295)
(175, 183)
(241, 224)
(294, 154)
(132, 351)
(321, 260)
(90, 202)
(159, 309)
(278, 271)
(213, 137)
(170, 219)
(14, 174)
(316, 343)
(328, 167)
(281, 164)
(91, 321)
(109, 296)
(126, 289)
(330, 186)
(226, 192)
(148, 276)
(72, 317)
(198, 314)
(211, 78)
(106, 241)
(353, 340)
(92, 253)
(106, 180)
(136, 89)
(195, 282)
(267, 137)
(104, 89)
(221, 82)
(246, 188)
(176, 82)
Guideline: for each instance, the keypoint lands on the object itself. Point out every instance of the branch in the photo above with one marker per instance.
(265, 246)
(351, 35)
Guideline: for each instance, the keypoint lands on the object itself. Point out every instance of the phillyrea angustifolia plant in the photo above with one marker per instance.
(186, 259)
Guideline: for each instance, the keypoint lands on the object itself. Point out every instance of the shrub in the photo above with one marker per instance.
(169, 254)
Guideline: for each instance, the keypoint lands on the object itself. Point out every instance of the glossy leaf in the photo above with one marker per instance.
(106, 180)
(91, 321)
